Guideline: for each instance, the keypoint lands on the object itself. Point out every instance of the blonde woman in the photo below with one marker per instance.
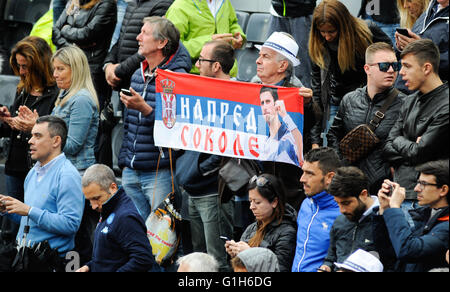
(77, 105)
(410, 10)
(431, 24)
(337, 44)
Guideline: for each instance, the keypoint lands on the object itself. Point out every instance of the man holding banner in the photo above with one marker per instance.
(196, 172)
(275, 66)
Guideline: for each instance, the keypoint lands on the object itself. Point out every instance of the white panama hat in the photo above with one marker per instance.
(282, 44)
(361, 261)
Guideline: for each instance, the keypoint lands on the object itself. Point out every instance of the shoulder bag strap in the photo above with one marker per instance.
(379, 114)
(156, 176)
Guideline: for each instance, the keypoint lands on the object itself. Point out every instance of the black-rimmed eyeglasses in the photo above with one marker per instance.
(205, 60)
(422, 184)
(384, 66)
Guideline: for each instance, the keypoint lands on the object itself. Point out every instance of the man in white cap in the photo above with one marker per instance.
(360, 261)
(274, 66)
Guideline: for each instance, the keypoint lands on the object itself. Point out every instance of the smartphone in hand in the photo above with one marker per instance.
(402, 31)
(391, 189)
(126, 92)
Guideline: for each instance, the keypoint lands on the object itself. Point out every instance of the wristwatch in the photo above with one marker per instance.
(106, 65)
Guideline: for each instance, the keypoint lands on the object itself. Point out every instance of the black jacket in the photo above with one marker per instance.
(125, 50)
(279, 238)
(90, 29)
(347, 236)
(329, 85)
(294, 8)
(358, 108)
(425, 116)
(388, 11)
(19, 162)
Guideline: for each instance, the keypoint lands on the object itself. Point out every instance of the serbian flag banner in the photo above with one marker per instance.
(228, 118)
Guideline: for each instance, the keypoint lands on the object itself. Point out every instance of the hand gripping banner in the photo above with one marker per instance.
(228, 118)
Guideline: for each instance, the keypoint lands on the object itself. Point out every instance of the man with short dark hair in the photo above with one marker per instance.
(423, 247)
(318, 211)
(421, 131)
(353, 229)
(53, 205)
(196, 173)
(216, 60)
(120, 239)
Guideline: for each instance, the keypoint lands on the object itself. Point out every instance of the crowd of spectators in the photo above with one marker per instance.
(386, 211)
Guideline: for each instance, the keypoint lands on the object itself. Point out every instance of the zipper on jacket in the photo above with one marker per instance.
(354, 238)
(307, 235)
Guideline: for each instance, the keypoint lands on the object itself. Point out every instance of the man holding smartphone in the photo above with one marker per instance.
(53, 202)
(423, 247)
(138, 155)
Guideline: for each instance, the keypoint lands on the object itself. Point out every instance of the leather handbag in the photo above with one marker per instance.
(360, 142)
(237, 172)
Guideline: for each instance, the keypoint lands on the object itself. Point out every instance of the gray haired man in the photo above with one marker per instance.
(120, 239)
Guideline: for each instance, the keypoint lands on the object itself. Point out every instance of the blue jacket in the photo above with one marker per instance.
(81, 116)
(120, 239)
(197, 173)
(138, 149)
(417, 249)
(435, 29)
(315, 219)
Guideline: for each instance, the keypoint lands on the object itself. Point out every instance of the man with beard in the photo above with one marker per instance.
(318, 211)
(353, 229)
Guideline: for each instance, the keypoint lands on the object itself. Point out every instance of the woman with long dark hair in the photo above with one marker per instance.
(30, 60)
(276, 222)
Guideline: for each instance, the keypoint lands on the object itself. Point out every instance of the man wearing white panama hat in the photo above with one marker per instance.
(275, 66)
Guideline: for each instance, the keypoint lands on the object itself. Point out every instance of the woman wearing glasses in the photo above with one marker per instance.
(275, 227)
(337, 44)
(359, 107)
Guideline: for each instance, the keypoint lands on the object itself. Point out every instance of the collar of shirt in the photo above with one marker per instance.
(376, 203)
(213, 6)
(42, 170)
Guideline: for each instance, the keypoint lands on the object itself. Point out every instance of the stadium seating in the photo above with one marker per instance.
(257, 31)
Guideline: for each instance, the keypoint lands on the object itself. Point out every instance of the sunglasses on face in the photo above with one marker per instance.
(384, 66)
